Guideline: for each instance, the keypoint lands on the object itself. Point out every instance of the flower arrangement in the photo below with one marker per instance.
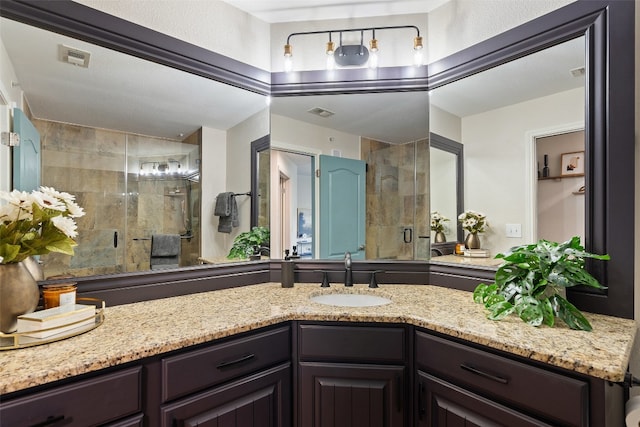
(473, 222)
(437, 222)
(37, 223)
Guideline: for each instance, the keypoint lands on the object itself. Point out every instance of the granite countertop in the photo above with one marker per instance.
(467, 261)
(134, 331)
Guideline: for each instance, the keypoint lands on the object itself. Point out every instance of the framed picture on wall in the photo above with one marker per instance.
(304, 223)
(572, 163)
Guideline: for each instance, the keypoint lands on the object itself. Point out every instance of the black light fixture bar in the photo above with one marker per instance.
(350, 30)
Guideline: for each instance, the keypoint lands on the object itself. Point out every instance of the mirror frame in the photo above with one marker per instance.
(257, 146)
(609, 119)
(457, 149)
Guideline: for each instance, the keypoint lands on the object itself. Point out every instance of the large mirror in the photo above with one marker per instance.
(498, 115)
(139, 144)
(385, 132)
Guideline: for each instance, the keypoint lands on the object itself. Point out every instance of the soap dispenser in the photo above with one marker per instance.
(286, 270)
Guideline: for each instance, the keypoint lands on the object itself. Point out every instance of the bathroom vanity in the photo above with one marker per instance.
(273, 354)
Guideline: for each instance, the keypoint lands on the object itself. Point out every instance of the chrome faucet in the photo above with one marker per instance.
(348, 274)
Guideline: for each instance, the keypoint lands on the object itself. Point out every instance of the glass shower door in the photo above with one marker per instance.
(88, 163)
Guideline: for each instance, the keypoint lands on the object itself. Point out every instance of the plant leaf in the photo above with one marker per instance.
(547, 312)
(500, 310)
(479, 293)
(569, 313)
(532, 314)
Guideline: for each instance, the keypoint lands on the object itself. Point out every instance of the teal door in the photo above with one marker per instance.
(342, 207)
(26, 156)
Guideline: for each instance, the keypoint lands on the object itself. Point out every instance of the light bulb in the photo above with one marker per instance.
(417, 57)
(417, 51)
(288, 58)
(288, 64)
(331, 61)
(373, 55)
(373, 59)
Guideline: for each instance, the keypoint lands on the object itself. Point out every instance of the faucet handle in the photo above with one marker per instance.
(325, 280)
(373, 283)
(347, 260)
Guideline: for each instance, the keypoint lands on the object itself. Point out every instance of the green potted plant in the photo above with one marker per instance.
(249, 243)
(532, 279)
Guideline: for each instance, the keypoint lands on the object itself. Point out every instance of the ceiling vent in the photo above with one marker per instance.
(578, 72)
(321, 112)
(73, 56)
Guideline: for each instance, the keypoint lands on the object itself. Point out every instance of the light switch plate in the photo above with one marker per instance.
(514, 230)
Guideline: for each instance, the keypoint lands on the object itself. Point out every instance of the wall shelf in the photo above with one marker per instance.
(558, 177)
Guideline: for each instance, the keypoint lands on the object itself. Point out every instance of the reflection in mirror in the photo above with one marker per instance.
(126, 137)
(497, 116)
(387, 131)
(447, 191)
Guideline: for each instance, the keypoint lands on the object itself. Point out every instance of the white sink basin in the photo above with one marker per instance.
(350, 300)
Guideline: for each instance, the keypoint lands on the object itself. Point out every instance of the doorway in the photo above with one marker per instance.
(560, 195)
(294, 220)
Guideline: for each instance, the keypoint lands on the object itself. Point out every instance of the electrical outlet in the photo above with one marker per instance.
(514, 230)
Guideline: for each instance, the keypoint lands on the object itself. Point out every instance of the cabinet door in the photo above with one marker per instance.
(441, 404)
(262, 399)
(334, 395)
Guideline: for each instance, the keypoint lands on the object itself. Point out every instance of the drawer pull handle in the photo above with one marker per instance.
(51, 420)
(240, 359)
(484, 374)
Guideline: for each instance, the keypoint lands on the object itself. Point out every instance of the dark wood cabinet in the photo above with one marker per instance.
(352, 375)
(459, 383)
(442, 404)
(320, 374)
(350, 395)
(244, 381)
(199, 369)
(102, 399)
(262, 399)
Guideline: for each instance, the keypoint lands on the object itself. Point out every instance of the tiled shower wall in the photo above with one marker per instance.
(397, 199)
(90, 164)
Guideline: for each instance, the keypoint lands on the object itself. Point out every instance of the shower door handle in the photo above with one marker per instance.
(408, 235)
(115, 239)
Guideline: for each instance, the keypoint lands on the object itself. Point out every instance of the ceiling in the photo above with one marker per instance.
(118, 91)
(274, 11)
(141, 97)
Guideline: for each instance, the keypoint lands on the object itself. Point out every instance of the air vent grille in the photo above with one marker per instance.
(321, 112)
(74, 56)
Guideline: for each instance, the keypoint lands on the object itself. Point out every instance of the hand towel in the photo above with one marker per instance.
(165, 251)
(227, 222)
(223, 204)
(163, 245)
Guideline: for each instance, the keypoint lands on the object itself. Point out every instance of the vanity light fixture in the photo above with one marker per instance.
(353, 54)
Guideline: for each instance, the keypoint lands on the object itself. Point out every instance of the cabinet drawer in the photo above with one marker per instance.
(362, 344)
(196, 370)
(551, 396)
(89, 402)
